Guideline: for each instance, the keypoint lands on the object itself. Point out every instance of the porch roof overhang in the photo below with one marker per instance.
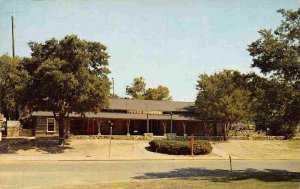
(125, 116)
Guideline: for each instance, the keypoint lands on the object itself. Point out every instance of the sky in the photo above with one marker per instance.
(168, 42)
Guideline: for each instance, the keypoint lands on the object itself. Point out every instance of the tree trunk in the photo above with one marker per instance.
(62, 131)
(224, 131)
(61, 126)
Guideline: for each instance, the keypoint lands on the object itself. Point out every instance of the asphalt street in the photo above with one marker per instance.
(43, 174)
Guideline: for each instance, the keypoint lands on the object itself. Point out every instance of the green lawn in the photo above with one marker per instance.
(190, 183)
(233, 180)
(263, 149)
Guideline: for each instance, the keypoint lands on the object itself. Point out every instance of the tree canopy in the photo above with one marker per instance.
(138, 91)
(67, 76)
(222, 97)
(277, 55)
(12, 80)
(159, 93)
(275, 107)
(137, 88)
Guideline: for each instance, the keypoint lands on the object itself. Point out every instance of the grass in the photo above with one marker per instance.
(208, 179)
(193, 184)
(231, 181)
(272, 149)
(43, 144)
(293, 144)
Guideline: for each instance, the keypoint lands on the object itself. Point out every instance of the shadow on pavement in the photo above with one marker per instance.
(219, 175)
(41, 144)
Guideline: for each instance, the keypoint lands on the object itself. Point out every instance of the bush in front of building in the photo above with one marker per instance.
(180, 147)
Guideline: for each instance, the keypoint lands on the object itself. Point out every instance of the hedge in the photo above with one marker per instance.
(180, 147)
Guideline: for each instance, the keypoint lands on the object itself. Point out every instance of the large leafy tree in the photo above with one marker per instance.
(137, 90)
(12, 80)
(222, 96)
(275, 106)
(159, 93)
(67, 76)
(277, 55)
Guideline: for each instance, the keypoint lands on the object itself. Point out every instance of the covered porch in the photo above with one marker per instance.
(158, 127)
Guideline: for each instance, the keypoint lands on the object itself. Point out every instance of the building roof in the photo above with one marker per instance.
(111, 115)
(139, 105)
(150, 105)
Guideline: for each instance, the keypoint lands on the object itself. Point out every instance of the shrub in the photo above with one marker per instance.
(180, 147)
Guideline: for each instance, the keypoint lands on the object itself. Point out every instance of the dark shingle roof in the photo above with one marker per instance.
(148, 105)
(108, 115)
(145, 105)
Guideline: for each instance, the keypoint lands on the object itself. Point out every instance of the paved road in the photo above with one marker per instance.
(39, 174)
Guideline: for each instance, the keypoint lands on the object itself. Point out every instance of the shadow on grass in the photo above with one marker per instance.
(42, 144)
(219, 175)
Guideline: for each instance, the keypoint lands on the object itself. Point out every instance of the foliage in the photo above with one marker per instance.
(12, 79)
(137, 88)
(111, 95)
(221, 96)
(277, 54)
(138, 91)
(159, 93)
(67, 76)
(180, 147)
(276, 105)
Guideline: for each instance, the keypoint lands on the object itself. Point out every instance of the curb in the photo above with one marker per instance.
(154, 159)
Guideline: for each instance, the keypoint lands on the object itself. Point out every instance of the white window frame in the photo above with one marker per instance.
(53, 126)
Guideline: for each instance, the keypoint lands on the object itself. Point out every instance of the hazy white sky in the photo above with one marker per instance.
(168, 42)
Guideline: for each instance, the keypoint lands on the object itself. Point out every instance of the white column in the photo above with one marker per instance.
(128, 125)
(99, 126)
(184, 129)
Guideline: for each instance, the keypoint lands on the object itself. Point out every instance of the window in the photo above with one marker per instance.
(50, 124)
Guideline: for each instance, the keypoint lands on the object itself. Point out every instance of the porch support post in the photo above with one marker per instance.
(93, 126)
(165, 127)
(171, 122)
(87, 125)
(147, 123)
(205, 128)
(184, 129)
(99, 126)
(128, 125)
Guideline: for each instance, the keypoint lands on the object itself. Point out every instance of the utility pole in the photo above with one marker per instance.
(13, 35)
(113, 83)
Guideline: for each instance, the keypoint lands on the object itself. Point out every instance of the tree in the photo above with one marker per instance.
(67, 76)
(222, 97)
(274, 106)
(159, 93)
(12, 79)
(277, 54)
(138, 91)
(137, 88)
(111, 95)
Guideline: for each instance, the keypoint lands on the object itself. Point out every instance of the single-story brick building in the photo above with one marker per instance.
(132, 117)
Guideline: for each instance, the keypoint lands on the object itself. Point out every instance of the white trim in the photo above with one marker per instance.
(53, 126)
